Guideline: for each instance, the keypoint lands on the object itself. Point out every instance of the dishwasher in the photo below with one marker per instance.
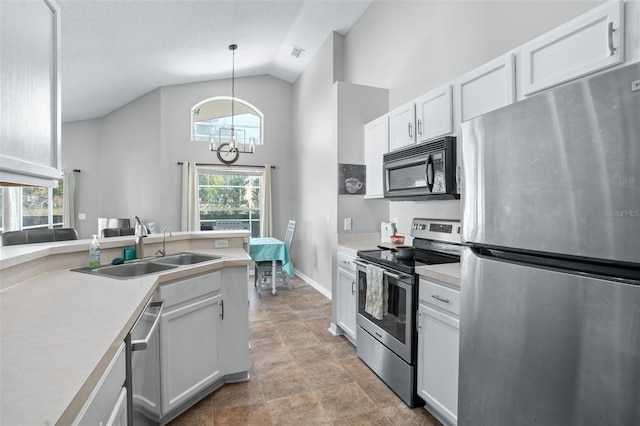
(143, 366)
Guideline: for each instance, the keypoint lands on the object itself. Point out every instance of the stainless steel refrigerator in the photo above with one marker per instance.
(550, 311)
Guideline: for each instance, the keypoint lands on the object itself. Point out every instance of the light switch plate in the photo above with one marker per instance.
(221, 243)
(347, 224)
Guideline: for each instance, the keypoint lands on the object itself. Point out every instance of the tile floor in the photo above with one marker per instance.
(300, 373)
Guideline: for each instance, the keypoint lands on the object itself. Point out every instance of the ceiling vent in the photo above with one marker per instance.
(297, 51)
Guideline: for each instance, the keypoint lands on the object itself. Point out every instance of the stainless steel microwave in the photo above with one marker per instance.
(422, 172)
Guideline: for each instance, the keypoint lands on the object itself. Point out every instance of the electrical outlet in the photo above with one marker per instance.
(82, 216)
(221, 243)
(347, 224)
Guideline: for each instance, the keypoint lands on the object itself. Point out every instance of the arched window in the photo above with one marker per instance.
(211, 119)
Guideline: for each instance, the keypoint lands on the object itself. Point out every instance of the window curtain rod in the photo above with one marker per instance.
(228, 166)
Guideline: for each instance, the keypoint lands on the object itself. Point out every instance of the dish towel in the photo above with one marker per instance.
(377, 292)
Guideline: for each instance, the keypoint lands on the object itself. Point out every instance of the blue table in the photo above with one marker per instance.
(271, 250)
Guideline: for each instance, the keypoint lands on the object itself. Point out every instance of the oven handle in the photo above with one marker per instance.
(388, 274)
(364, 265)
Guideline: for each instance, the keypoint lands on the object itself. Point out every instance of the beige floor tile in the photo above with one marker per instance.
(312, 314)
(341, 349)
(402, 415)
(278, 317)
(379, 393)
(303, 409)
(325, 374)
(345, 401)
(293, 327)
(357, 369)
(310, 355)
(235, 394)
(246, 415)
(272, 362)
(201, 414)
(283, 384)
(262, 330)
(318, 324)
(302, 340)
(375, 418)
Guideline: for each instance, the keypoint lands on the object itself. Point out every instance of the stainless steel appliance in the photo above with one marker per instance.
(143, 367)
(550, 310)
(422, 172)
(388, 345)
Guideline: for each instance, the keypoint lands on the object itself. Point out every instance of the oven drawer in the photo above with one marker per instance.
(445, 298)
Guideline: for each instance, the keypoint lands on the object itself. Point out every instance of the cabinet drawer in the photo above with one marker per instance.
(438, 295)
(346, 261)
(190, 289)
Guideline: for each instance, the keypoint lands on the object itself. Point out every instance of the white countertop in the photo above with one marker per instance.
(448, 273)
(60, 330)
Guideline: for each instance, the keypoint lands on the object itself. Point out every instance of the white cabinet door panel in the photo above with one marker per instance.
(402, 130)
(347, 302)
(586, 44)
(190, 360)
(376, 144)
(434, 114)
(438, 359)
(486, 88)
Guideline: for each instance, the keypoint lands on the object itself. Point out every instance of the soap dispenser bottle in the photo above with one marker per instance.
(94, 253)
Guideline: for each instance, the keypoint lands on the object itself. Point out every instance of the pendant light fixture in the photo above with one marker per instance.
(231, 141)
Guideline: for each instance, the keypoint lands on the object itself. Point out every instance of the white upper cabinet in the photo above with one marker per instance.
(402, 130)
(376, 144)
(30, 101)
(434, 114)
(486, 88)
(588, 43)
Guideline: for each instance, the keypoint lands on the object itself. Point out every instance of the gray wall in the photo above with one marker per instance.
(129, 158)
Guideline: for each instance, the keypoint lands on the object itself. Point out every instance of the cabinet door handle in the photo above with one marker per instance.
(410, 130)
(418, 327)
(222, 308)
(611, 48)
(442, 299)
(353, 287)
(420, 127)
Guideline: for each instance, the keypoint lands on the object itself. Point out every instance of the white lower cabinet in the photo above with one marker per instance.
(203, 336)
(189, 350)
(107, 404)
(438, 351)
(347, 298)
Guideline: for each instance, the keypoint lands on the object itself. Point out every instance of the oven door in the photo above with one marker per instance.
(395, 330)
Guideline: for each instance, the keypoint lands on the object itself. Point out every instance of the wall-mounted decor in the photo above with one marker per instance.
(351, 179)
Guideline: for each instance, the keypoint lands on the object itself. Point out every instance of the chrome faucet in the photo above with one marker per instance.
(140, 233)
(163, 252)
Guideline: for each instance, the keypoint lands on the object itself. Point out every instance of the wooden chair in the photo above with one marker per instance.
(263, 270)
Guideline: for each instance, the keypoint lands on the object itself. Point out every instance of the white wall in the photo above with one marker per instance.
(135, 151)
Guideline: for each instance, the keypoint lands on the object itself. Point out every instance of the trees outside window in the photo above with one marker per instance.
(229, 200)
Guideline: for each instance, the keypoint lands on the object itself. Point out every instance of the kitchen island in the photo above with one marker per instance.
(60, 328)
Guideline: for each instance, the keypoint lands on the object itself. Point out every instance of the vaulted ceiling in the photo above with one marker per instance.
(115, 51)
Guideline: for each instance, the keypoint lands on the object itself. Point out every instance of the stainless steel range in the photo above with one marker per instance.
(387, 343)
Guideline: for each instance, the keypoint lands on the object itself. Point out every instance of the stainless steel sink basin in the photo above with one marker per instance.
(128, 270)
(183, 259)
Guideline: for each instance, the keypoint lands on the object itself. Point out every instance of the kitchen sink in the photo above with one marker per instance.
(185, 259)
(151, 266)
(128, 270)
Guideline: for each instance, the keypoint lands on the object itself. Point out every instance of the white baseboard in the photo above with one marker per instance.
(314, 284)
(335, 330)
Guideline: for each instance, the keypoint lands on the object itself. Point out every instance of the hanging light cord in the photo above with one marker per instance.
(233, 48)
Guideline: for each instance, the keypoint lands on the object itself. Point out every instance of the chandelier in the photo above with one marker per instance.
(230, 142)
